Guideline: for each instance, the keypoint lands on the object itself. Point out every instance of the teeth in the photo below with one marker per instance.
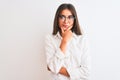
(65, 28)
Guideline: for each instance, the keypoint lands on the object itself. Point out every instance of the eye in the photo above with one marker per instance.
(61, 16)
(71, 17)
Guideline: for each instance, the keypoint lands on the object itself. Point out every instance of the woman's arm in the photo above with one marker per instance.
(66, 37)
(63, 70)
(54, 56)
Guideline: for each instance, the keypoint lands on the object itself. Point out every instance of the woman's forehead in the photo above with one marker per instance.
(66, 12)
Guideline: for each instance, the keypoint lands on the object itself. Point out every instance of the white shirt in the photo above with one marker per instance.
(76, 59)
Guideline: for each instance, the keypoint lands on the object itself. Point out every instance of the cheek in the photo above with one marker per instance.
(71, 24)
(60, 24)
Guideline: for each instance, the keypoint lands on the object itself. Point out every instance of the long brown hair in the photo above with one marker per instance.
(76, 26)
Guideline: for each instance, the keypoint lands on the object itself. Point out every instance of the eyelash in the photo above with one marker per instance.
(69, 17)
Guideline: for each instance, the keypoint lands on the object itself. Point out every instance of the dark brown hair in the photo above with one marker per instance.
(76, 26)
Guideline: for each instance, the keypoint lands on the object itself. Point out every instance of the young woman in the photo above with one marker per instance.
(66, 48)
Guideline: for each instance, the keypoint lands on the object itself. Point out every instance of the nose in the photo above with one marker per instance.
(66, 20)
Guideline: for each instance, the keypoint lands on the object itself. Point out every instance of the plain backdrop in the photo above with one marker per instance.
(24, 24)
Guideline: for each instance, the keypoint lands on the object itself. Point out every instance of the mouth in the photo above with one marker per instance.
(65, 27)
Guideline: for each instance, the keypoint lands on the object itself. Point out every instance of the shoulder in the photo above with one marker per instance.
(82, 38)
(48, 36)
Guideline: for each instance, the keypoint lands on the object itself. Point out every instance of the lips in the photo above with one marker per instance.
(65, 27)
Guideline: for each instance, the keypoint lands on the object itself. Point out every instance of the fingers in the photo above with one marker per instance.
(63, 31)
(69, 28)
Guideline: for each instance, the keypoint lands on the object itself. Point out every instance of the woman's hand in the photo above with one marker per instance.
(66, 35)
(64, 72)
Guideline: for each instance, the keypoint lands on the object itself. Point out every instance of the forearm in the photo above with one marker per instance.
(62, 71)
(63, 46)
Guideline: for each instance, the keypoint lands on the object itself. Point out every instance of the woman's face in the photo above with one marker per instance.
(66, 19)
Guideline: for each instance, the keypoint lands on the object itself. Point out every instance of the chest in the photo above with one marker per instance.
(73, 47)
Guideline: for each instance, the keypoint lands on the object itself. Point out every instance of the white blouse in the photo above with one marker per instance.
(76, 59)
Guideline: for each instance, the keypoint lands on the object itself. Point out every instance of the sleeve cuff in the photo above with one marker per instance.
(74, 74)
(60, 54)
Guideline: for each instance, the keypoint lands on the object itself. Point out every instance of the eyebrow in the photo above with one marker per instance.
(65, 15)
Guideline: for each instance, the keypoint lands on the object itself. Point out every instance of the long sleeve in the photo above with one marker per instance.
(82, 71)
(54, 55)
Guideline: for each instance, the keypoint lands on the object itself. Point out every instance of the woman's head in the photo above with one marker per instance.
(66, 17)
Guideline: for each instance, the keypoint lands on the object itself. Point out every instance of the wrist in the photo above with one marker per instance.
(63, 46)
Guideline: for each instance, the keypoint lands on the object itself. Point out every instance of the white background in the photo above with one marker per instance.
(24, 23)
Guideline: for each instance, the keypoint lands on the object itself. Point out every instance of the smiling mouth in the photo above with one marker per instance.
(65, 27)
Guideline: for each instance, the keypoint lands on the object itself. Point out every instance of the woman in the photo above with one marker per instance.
(66, 48)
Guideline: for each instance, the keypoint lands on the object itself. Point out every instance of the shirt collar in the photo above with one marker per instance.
(58, 35)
